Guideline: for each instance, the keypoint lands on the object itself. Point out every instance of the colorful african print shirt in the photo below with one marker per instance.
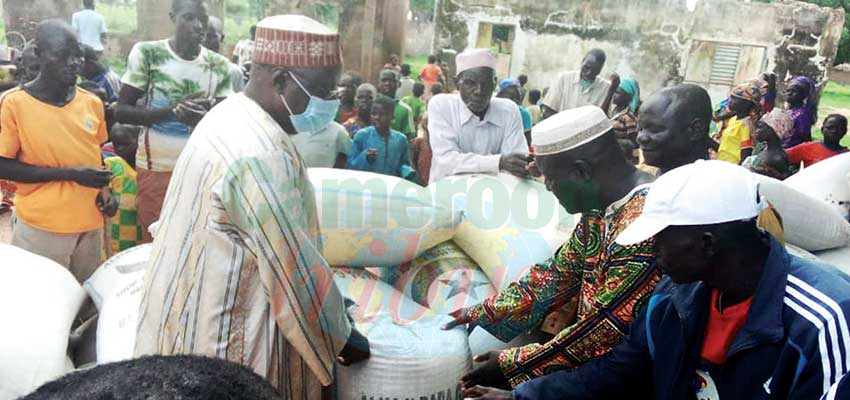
(237, 270)
(166, 79)
(604, 284)
(125, 230)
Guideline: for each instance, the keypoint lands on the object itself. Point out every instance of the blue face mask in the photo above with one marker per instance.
(318, 114)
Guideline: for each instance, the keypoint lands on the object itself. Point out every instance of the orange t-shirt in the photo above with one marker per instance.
(430, 73)
(44, 135)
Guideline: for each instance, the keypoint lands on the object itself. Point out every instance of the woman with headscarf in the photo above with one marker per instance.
(736, 141)
(624, 106)
(802, 101)
(769, 157)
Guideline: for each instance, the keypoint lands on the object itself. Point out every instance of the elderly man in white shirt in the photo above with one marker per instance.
(584, 87)
(472, 132)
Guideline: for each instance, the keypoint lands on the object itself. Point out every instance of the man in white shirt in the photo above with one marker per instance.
(582, 88)
(326, 148)
(90, 26)
(472, 132)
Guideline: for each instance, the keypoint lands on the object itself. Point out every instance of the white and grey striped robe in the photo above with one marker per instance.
(237, 270)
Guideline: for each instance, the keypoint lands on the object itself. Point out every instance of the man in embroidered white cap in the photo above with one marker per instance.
(735, 316)
(472, 132)
(237, 270)
(577, 153)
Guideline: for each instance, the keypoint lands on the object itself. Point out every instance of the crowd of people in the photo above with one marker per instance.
(659, 292)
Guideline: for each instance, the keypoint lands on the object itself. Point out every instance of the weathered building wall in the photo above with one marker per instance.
(658, 42)
(420, 36)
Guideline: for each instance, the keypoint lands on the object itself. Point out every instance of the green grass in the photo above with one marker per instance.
(836, 95)
(416, 63)
(835, 99)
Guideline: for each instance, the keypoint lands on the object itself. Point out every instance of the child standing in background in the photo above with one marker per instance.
(125, 231)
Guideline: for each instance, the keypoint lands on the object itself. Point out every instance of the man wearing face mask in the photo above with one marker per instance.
(472, 132)
(591, 289)
(582, 87)
(237, 269)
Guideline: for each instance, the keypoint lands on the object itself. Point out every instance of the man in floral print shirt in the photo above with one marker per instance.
(592, 288)
(179, 80)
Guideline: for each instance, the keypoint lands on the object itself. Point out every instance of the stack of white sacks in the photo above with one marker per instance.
(406, 256)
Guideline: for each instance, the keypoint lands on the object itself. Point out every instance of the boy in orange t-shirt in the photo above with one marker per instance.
(430, 73)
(50, 137)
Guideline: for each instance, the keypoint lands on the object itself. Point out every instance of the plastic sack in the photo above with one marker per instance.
(117, 272)
(40, 302)
(839, 258)
(828, 181)
(415, 360)
(509, 223)
(116, 326)
(808, 223)
(369, 219)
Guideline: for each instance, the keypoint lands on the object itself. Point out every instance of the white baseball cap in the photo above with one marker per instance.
(702, 193)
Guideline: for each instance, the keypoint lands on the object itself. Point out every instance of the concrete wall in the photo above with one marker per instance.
(420, 36)
(658, 42)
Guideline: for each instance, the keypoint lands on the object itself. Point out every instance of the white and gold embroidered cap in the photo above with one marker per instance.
(569, 129)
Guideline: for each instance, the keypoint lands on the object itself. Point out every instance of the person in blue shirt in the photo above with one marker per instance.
(735, 315)
(512, 90)
(379, 148)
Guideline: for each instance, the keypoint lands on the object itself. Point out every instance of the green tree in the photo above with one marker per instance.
(422, 9)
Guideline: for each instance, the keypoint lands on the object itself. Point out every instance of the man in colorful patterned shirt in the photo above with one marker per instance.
(594, 286)
(179, 81)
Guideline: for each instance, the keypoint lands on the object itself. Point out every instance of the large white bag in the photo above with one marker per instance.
(827, 181)
(808, 222)
(415, 360)
(840, 258)
(116, 326)
(117, 272)
(445, 279)
(509, 223)
(369, 219)
(374, 297)
(39, 300)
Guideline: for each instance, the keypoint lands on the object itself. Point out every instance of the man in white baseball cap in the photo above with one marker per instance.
(583, 166)
(472, 132)
(735, 316)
